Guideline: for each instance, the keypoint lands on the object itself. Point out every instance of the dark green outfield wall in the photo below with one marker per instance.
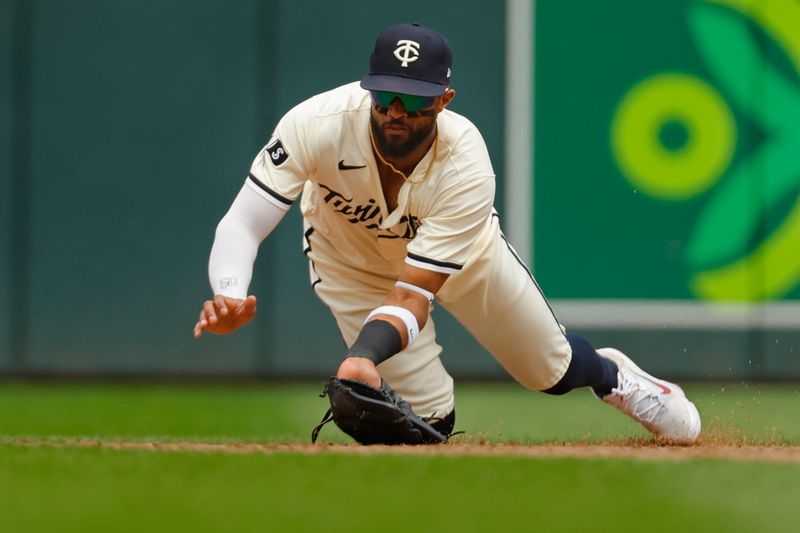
(126, 128)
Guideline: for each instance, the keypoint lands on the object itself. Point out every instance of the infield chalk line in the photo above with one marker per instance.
(749, 453)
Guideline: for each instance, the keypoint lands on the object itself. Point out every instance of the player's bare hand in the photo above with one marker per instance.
(223, 315)
(359, 369)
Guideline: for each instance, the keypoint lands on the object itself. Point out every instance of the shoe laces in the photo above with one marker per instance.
(639, 400)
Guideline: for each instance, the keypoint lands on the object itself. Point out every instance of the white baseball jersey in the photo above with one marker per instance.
(322, 147)
(444, 221)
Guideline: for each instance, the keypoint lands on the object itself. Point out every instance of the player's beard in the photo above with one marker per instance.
(395, 147)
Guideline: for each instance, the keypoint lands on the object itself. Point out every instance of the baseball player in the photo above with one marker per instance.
(397, 197)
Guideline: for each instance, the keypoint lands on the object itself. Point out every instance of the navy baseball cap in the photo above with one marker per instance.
(409, 59)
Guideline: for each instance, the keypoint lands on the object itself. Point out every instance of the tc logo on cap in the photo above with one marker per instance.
(406, 51)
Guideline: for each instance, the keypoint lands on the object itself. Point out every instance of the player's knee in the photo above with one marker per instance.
(534, 379)
(445, 425)
(544, 366)
(557, 356)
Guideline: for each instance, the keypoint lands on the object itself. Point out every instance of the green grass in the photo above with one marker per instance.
(286, 413)
(102, 490)
(99, 489)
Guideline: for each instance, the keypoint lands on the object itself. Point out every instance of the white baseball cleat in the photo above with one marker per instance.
(660, 406)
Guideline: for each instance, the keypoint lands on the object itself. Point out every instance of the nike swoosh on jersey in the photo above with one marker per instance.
(342, 166)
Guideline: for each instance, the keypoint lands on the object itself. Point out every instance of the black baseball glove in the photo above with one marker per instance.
(374, 416)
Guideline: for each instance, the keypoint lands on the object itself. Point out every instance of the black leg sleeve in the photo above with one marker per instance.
(587, 369)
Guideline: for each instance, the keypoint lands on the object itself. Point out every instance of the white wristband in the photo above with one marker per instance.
(414, 288)
(408, 318)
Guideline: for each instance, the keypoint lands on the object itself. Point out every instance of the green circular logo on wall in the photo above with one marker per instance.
(673, 137)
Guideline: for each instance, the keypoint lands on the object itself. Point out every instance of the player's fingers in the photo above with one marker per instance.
(221, 304)
(198, 330)
(209, 312)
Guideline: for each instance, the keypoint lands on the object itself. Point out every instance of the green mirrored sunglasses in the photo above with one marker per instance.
(410, 102)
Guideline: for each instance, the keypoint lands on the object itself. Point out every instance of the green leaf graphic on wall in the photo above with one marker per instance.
(673, 136)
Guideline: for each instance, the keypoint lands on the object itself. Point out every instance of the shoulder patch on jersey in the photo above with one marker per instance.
(277, 153)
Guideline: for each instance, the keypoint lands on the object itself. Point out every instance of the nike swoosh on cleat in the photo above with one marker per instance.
(664, 388)
(342, 166)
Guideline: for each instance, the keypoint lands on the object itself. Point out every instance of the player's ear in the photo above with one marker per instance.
(444, 100)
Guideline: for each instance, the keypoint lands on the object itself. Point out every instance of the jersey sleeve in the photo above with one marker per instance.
(282, 167)
(446, 235)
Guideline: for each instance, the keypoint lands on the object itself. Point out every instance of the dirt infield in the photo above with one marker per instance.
(632, 449)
